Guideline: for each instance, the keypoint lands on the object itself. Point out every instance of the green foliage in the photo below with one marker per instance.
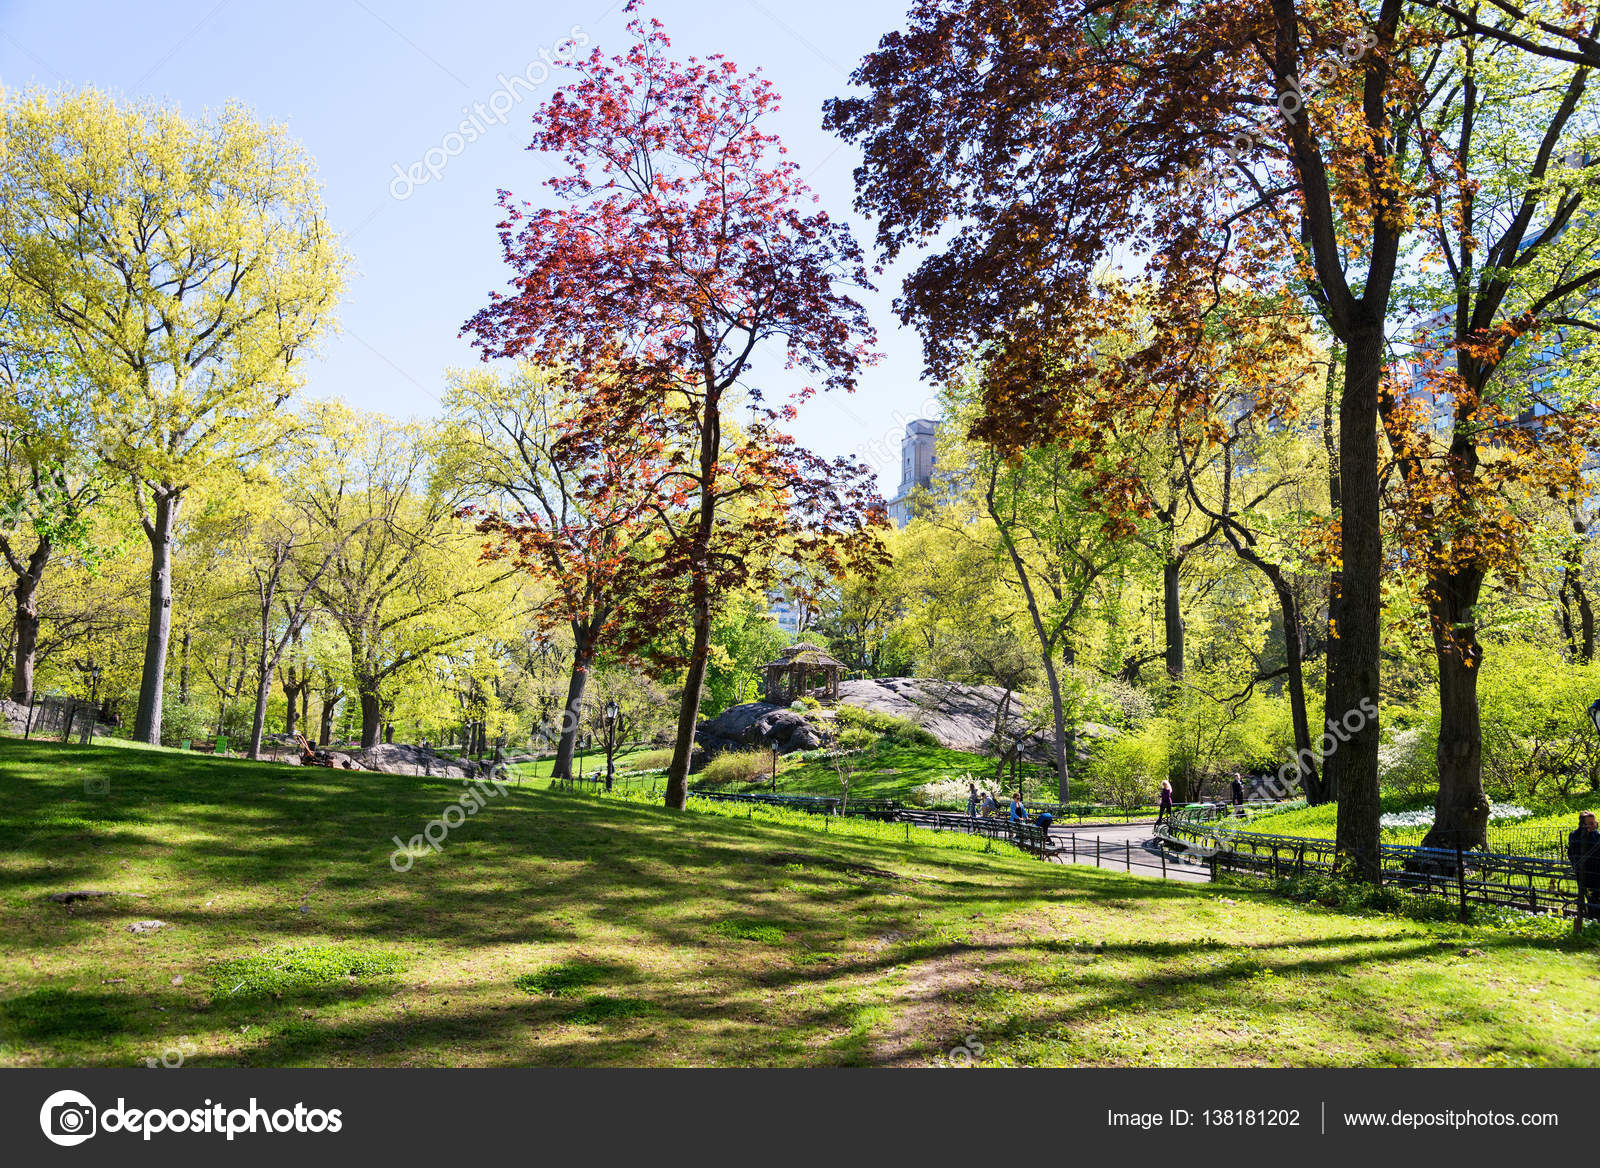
(744, 637)
(856, 738)
(186, 721)
(736, 766)
(899, 730)
(651, 760)
(1333, 892)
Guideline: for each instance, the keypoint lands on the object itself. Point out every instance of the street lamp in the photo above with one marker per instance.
(612, 714)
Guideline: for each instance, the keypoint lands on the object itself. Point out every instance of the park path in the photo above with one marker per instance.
(1126, 847)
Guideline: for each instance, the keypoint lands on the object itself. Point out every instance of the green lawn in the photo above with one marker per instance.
(594, 762)
(558, 928)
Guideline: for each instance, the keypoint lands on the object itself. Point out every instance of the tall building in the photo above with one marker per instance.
(917, 466)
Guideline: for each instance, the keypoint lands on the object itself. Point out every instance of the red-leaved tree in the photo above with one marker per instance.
(682, 242)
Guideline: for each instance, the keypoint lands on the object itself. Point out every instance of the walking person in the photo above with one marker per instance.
(1165, 811)
(972, 800)
(1237, 789)
(1019, 811)
(1583, 850)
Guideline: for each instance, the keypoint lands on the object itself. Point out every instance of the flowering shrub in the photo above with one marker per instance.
(1498, 813)
(948, 792)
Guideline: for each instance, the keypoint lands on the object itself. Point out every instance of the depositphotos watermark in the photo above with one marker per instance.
(473, 800)
(1339, 732)
(69, 1118)
(964, 1054)
(483, 114)
(1289, 104)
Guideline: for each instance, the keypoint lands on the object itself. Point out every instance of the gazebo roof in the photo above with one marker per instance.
(804, 654)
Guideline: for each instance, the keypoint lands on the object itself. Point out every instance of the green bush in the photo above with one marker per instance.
(737, 766)
(855, 738)
(185, 720)
(901, 730)
(651, 760)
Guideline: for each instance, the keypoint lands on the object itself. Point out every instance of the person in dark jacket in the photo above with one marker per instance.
(1583, 850)
(1238, 794)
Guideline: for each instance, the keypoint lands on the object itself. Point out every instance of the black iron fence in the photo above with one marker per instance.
(1542, 882)
(60, 717)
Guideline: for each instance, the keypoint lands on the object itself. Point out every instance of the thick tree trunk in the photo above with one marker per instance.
(584, 648)
(1172, 616)
(147, 722)
(371, 715)
(1461, 811)
(1353, 676)
(26, 642)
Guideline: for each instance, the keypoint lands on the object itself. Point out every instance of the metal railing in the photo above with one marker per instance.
(1463, 875)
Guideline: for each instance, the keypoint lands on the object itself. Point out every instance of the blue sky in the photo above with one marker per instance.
(367, 85)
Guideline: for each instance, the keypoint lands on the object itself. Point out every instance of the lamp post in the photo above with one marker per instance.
(612, 715)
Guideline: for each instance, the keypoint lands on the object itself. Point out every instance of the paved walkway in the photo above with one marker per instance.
(1128, 847)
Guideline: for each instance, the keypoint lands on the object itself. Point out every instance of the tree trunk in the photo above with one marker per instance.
(1353, 676)
(677, 792)
(1172, 615)
(183, 668)
(572, 712)
(330, 702)
(689, 710)
(147, 722)
(27, 623)
(1461, 811)
(1330, 656)
(1294, 642)
(258, 724)
(371, 714)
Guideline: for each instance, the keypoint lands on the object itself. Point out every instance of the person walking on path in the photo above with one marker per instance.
(1583, 850)
(1238, 794)
(1019, 813)
(972, 800)
(1165, 811)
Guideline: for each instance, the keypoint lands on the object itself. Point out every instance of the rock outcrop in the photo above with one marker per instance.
(961, 717)
(394, 758)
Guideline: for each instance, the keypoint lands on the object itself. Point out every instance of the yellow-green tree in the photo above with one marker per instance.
(183, 266)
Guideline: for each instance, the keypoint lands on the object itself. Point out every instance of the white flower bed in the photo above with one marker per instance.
(1498, 812)
(951, 791)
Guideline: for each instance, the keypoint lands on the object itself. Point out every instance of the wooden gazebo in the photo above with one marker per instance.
(802, 667)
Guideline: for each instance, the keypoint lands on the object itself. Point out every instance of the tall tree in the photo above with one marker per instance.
(184, 267)
(404, 582)
(578, 517)
(1053, 132)
(683, 243)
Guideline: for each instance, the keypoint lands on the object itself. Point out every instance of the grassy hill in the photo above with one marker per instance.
(555, 928)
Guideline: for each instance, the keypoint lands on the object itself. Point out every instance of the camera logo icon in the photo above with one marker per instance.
(68, 1118)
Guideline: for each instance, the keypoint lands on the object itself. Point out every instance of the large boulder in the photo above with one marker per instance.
(394, 758)
(758, 724)
(961, 717)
